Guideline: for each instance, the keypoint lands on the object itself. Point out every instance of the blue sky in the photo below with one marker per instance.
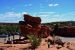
(47, 10)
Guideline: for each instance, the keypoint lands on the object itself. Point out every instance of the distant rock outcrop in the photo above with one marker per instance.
(66, 31)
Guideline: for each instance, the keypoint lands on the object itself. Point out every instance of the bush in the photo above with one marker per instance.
(34, 41)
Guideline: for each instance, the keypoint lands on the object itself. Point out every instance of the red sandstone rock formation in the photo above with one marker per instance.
(33, 21)
(45, 31)
(32, 25)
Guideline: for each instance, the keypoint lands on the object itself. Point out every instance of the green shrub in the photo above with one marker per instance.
(35, 41)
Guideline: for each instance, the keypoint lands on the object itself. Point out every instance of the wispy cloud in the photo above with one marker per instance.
(47, 12)
(55, 16)
(24, 12)
(44, 13)
(45, 16)
(11, 17)
(53, 5)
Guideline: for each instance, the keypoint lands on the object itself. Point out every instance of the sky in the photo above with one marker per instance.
(47, 10)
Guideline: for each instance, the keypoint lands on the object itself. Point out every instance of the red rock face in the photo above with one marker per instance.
(33, 21)
(45, 31)
(32, 25)
(66, 31)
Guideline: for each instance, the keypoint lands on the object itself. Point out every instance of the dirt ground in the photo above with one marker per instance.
(43, 46)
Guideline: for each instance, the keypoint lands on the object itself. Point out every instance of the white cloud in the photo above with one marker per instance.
(56, 4)
(50, 5)
(24, 12)
(47, 12)
(11, 16)
(44, 13)
(53, 5)
(55, 16)
(45, 16)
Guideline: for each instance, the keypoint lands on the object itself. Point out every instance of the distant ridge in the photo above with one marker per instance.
(61, 22)
(8, 23)
(50, 23)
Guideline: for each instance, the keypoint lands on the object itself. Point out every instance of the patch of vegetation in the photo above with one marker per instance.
(35, 41)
